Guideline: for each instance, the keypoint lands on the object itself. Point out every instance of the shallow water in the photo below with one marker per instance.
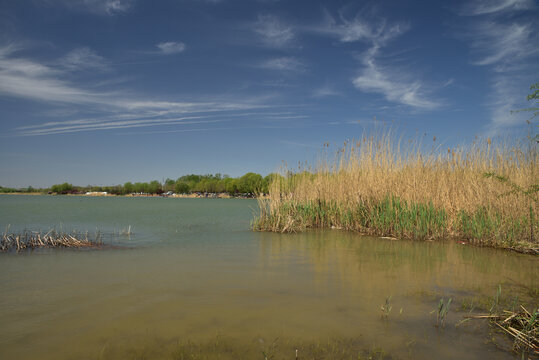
(193, 276)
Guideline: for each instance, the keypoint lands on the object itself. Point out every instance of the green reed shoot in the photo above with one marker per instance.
(441, 312)
(496, 300)
(386, 307)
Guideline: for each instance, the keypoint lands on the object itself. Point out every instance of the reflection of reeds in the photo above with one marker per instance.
(34, 239)
(378, 186)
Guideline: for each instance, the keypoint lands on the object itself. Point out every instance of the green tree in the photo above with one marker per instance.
(129, 188)
(62, 188)
(181, 187)
(169, 185)
(250, 183)
(154, 187)
(139, 187)
(231, 185)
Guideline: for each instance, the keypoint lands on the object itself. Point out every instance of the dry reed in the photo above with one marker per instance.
(384, 186)
(33, 239)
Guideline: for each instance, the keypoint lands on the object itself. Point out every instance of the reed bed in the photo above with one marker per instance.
(52, 239)
(484, 193)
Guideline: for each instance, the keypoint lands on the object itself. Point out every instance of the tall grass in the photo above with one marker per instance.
(384, 186)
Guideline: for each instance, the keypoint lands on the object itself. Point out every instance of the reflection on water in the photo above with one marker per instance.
(193, 278)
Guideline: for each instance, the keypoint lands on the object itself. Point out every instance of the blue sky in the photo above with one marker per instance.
(108, 91)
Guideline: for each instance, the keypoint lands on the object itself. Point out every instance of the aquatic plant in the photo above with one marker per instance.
(34, 239)
(27, 239)
(386, 307)
(379, 186)
(529, 194)
(441, 312)
(496, 300)
(512, 318)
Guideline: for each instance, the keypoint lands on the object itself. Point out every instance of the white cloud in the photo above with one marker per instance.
(508, 94)
(103, 7)
(283, 64)
(504, 45)
(273, 32)
(171, 47)
(508, 47)
(395, 85)
(83, 58)
(482, 7)
(358, 29)
(107, 124)
(31, 80)
(325, 91)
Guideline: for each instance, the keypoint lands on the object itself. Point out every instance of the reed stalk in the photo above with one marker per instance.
(51, 239)
(380, 185)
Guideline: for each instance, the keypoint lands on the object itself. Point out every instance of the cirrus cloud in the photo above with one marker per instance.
(171, 47)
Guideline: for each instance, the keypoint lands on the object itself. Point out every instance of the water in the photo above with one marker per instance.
(192, 278)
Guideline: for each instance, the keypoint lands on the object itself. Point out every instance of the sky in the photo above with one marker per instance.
(101, 92)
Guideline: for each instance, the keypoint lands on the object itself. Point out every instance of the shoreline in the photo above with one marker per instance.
(180, 196)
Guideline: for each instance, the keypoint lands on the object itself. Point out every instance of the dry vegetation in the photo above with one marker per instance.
(51, 239)
(485, 192)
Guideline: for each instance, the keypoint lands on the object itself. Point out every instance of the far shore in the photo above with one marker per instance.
(183, 196)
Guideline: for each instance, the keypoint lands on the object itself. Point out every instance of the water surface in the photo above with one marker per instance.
(192, 275)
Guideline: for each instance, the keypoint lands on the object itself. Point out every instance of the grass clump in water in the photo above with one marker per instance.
(377, 186)
(515, 320)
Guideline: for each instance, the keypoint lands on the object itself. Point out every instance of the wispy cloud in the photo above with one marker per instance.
(273, 32)
(83, 58)
(171, 47)
(483, 7)
(504, 45)
(358, 29)
(102, 7)
(508, 47)
(507, 94)
(394, 83)
(106, 124)
(21, 77)
(28, 79)
(325, 91)
(283, 64)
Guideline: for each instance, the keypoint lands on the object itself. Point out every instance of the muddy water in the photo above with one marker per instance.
(192, 279)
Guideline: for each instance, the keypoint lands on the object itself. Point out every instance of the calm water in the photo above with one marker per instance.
(193, 273)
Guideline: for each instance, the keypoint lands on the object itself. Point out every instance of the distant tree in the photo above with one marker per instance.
(129, 188)
(154, 187)
(62, 188)
(250, 183)
(181, 187)
(7, 190)
(231, 185)
(169, 185)
(139, 187)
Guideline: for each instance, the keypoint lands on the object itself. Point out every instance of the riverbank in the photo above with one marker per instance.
(181, 196)
(484, 194)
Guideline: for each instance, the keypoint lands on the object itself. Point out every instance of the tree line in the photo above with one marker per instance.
(246, 185)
